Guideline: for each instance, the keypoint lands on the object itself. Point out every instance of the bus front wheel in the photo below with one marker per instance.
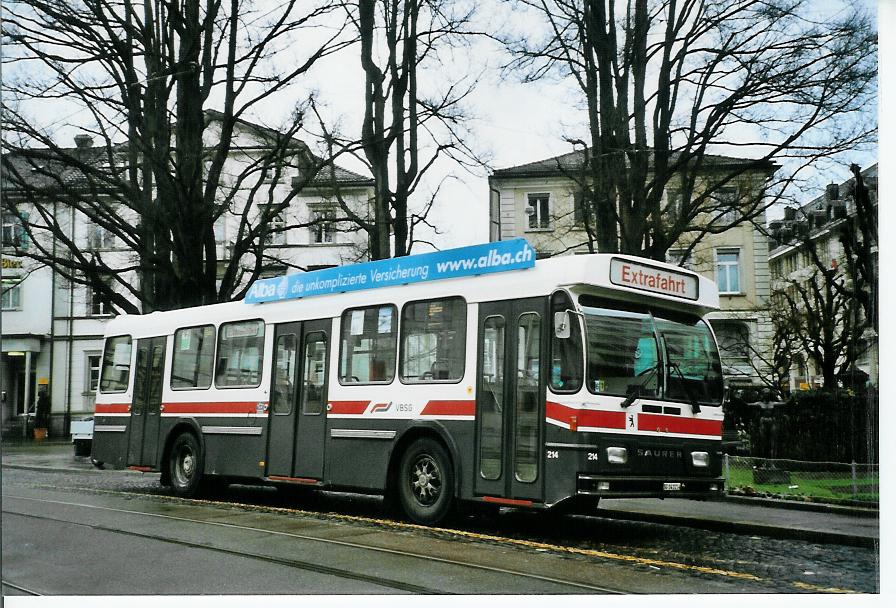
(185, 465)
(426, 482)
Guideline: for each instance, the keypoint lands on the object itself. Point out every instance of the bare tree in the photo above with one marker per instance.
(859, 239)
(824, 321)
(156, 167)
(665, 83)
(413, 115)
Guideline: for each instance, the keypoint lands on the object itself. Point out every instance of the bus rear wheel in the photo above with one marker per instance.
(426, 482)
(185, 465)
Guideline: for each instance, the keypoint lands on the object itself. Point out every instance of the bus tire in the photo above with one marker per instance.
(185, 465)
(426, 482)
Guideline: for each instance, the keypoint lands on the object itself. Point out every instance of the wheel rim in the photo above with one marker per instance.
(425, 480)
(185, 466)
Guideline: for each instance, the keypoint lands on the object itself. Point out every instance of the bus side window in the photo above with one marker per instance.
(240, 348)
(433, 340)
(194, 352)
(368, 339)
(567, 368)
(116, 369)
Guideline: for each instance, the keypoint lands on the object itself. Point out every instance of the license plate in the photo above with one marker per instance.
(671, 487)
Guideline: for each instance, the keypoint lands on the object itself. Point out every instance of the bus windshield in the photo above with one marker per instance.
(627, 346)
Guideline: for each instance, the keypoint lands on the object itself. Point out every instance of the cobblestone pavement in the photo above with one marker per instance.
(783, 565)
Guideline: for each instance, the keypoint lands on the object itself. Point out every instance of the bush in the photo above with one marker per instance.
(813, 425)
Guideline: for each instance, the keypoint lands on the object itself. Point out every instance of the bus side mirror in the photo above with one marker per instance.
(561, 325)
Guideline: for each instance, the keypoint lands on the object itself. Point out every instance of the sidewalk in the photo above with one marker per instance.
(777, 519)
(761, 517)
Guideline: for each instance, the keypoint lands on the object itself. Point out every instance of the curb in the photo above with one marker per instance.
(34, 467)
(814, 536)
(797, 505)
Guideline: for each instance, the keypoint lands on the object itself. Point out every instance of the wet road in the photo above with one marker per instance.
(635, 557)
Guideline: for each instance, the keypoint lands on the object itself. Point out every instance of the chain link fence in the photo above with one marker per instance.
(800, 480)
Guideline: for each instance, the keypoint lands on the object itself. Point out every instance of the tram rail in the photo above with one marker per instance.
(294, 563)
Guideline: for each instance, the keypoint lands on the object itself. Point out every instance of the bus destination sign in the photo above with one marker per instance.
(656, 280)
(514, 254)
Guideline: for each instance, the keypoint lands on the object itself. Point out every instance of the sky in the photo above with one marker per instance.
(513, 123)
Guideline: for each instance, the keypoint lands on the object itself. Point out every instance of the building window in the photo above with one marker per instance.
(582, 210)
(674, 205)
(220, 230)
(726, 202)
(99, 237)
(94, 362)
(12, 293)
(728, 270)
(13, 231)
(733, 339)
(680, 258)
(275, 234)
(97, 301)
(539, 211)
(324, 228)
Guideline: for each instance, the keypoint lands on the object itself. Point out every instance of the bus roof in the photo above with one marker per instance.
(610, 275)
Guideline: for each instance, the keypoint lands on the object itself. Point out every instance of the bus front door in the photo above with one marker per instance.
(297, 414)
(510, 399)
(146, 404)
(311, 436)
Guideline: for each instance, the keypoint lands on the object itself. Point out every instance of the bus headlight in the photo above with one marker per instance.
(700, 459)
(617, 455)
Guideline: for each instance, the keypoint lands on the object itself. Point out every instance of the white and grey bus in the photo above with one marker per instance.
(474, 374)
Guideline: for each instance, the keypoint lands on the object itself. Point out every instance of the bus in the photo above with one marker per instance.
(469, 375)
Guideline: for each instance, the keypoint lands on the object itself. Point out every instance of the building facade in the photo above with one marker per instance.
(817, 226)
(52, 329)
(541, 202)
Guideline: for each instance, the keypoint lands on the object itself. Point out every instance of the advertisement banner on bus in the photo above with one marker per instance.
(501, 256)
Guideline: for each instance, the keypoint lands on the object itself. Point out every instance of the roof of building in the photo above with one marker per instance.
(574, 161)
(844, 190)
(44, 168)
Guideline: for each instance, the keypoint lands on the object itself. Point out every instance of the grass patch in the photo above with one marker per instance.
(815, 485)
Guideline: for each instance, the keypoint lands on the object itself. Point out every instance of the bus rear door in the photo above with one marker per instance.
(146, 403)
(510, 399)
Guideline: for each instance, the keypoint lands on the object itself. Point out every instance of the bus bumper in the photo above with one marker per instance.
(609, 486)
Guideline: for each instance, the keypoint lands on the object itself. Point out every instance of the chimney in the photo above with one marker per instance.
(832, 192)
(83, 141)
(789, 213)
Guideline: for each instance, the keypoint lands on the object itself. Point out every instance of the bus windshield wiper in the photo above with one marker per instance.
(695, 406)
(635, 389)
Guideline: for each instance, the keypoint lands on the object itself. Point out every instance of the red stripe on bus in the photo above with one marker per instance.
(589, 418)
(303, 480)
(508, 501)
(112, 408)
(465, 407)
(141, 469)
(212, 407)
(348, 407)
(674, 424)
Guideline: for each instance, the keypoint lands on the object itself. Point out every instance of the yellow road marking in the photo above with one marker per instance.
(478, 536)
(819, 589)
